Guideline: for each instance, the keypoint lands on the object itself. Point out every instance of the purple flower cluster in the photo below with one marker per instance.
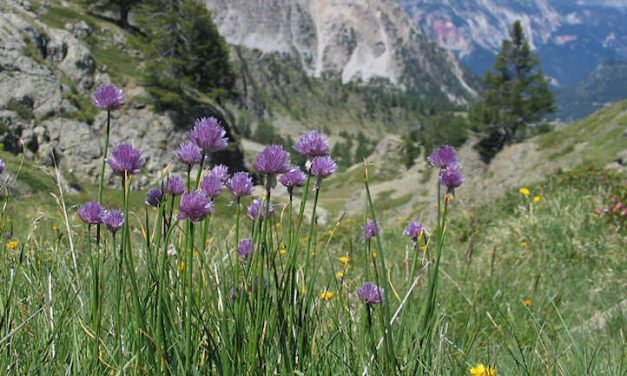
(312, 144)
(113, 219)
(292, 179)
(212, 185)
(195, 206)
(175, 185)
(370, 293)
(369, 230)
(240, 184)
(451, 178)
(208, 135)
(125, 160)
(322, 167)
(189, 153)
(258, 208)
(272, 160)
(446, 159)
(221, 171)
(245, 249)
(2, 166)
(413, 230)
(93, 214)
(154, 197)
(108, 97)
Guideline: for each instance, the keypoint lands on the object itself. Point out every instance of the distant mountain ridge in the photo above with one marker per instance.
(571, 37)
(605, 85)
(356, 40)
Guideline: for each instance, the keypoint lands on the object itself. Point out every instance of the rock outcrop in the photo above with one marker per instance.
(357, 40)
(47, 76)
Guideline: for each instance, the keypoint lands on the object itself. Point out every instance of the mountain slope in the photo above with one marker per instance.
(357, 40)
(571, 38)
(599, 139)
(606, 84)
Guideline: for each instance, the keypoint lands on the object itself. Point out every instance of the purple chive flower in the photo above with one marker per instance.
(245, 249)
(369, 230)
(451, 178)
(212, 185)
(175, 185)
(257, 208)
(413, 230)
(272, 160)
(91, 213)
(221, 171)
(195, 206)
(189, 153)
(443, 157)
(2, 166)
(312, 144)
(293, 178)
(113, 219)
(321, 167)
(370, 293)
(241, 184)
(154, 197)
(125, 159)
(108, 97)
(208, 135)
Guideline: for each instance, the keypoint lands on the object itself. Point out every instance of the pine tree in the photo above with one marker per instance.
(517, 95)
(185, 53)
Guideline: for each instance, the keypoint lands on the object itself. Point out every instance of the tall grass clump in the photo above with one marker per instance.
(211, 277)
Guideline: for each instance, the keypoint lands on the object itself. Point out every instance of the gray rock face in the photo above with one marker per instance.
(39, 67)
(25, 82)
(357, 40)
(72, 57)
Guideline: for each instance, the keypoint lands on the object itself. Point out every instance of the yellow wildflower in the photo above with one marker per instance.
(340, 274)
(524, 191)
(182, 266)
(449, 197)
(482, 370)
(282, 251)
(527, 302)
(277, 226)
(344, 260)
(537, 199)
(326, 295)
(56, 228)
(374, 254)
(524, 244)
(13, 244)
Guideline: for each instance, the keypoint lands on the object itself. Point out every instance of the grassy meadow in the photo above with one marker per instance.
(530, 283)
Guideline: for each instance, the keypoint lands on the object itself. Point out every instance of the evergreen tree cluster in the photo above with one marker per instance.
(442, 129)
(186, 55)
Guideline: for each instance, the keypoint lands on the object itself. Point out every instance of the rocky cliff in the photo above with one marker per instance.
(48, 70)
(357, 40)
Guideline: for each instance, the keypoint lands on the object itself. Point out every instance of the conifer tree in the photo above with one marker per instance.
(517, 95)
(186, 53)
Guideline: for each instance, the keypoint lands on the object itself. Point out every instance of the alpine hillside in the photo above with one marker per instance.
(359, 40)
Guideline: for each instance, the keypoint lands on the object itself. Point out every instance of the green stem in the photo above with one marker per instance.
(128, 256)
(189, 298)
(104, 158)
(118, 299)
